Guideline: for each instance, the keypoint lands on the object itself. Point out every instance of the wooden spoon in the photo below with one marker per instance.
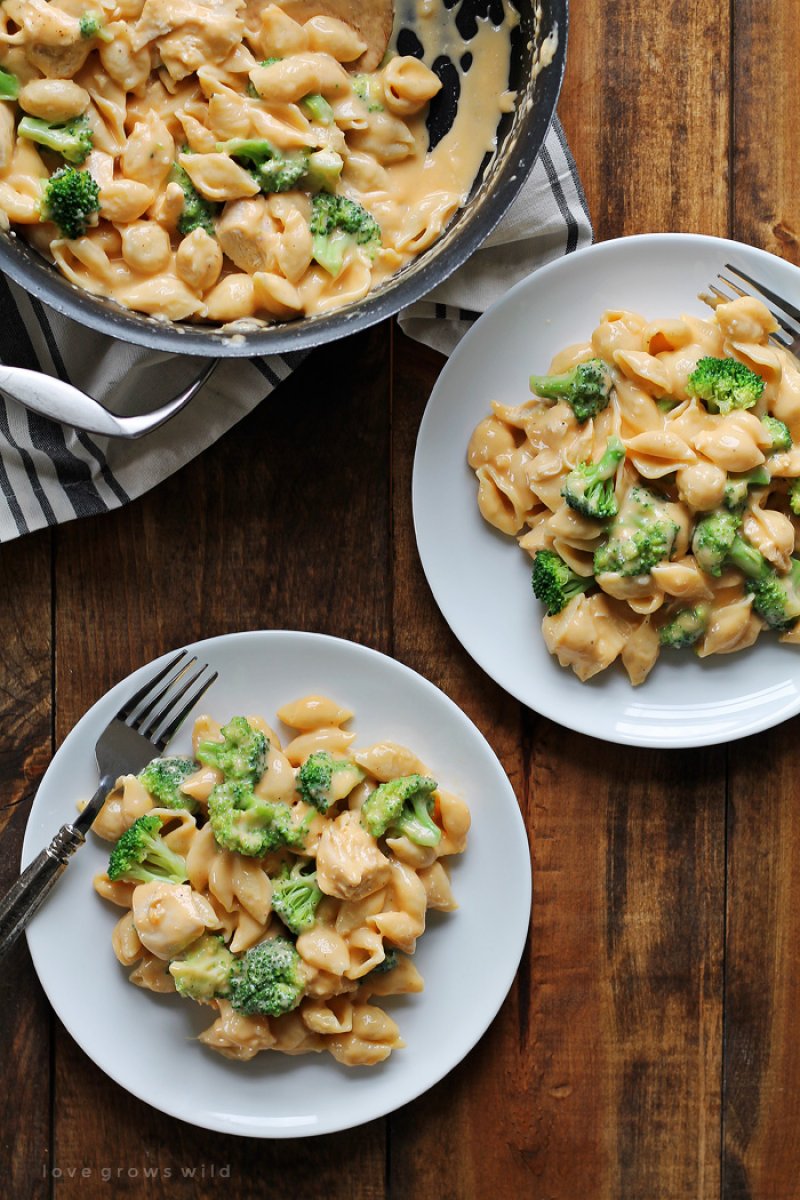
(373, 19)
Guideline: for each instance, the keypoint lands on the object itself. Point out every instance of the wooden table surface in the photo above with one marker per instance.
(649, 1048)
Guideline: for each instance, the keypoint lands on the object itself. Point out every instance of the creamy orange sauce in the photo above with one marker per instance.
(176, 75)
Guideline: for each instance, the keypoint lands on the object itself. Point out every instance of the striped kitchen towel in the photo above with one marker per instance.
(51, 473)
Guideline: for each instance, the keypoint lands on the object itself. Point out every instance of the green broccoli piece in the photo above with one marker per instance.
(204, 971)
(92, 25)
(338, 224)
(737, 487)
(323, 779)
(318, 109)
(241, 755)
(685, 627)
(403, 808)
(369, 89)
(794, 497)
(389, 963)
(716, 544)
(296, 897)
(776, 598)
(9, 85)
(586, 388)
(642, 536)
(163, 778)
(724, 384)
(71, 139)
(589, 487)
(555, 583)
(248, 824)
(197, 212)
(268, 981)
(273, 170)
(141, 855)
(70, 199)
(712, 540)
(780, 437)
(666, 404)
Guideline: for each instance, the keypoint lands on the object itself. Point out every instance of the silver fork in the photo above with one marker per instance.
(788, 334)
(147, 721)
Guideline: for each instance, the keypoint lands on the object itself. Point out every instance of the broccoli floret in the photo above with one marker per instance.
(197, 212)
(389, 963)
(9, 85)
(716, 544)
(323, 779)
(586, 388)
(685, 627)
(337, 224)
(712, 540)
(70, 199)
(780, 437)
(268, 981)
(318, 109)
(642, 536)
(724, 384)
(794, 497)
(776, 598)
(241, 755)
(589, 487)
(369, 89)
(295, 897)
(248, 824)
(92, 25)
(273, 170)
(403, 808)
(555, 583)
(71, 139)
(737, 487)
(141, 855)
(163, 778)
(204, 971)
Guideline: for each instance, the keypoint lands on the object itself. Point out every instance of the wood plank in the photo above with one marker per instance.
(762, 985)
(26, 721)
(455, 1141)
(645, 107)
(291, 509)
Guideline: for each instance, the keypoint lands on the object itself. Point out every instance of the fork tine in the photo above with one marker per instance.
(134, 701)
(167, 734)
(784, 325)
(138, 719)
(186, 682)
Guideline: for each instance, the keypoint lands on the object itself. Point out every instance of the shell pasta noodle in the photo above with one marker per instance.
(654, 479)
(217, 160)
(283, 886)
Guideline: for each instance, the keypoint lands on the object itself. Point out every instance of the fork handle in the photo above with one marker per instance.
(26, 896)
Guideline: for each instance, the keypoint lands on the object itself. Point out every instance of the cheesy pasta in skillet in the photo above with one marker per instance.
(218, 160)
(284, 887)
(654, 478)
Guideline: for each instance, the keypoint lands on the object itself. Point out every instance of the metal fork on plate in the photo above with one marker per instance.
(145, 724)
(784, 312)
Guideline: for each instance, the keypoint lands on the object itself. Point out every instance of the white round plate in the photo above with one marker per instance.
(273, 1095)
(481, 579)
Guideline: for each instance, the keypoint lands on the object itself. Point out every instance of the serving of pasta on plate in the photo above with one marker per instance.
(654, 478)
(220, 161)
(284, 887)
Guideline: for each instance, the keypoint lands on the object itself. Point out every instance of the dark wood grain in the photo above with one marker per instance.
(761, 1151)
(25, 749)
(648, 1048)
